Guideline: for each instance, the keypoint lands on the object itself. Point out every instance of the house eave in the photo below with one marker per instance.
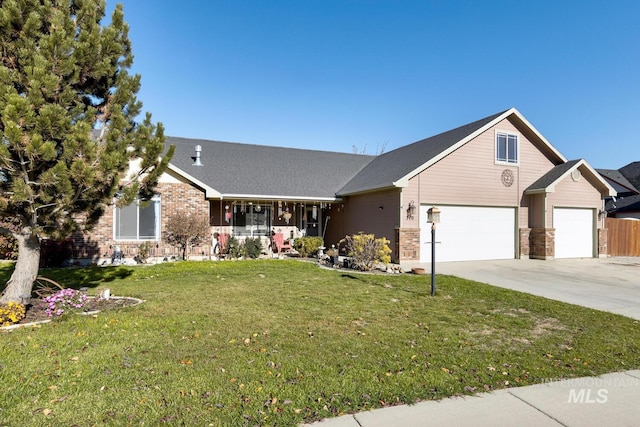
(540, 191)
(209, 192)
(471, 136)
(605, 189)
(371, 190)
(275, 198)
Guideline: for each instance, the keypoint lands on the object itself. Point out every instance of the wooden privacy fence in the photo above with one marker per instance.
(623, 237)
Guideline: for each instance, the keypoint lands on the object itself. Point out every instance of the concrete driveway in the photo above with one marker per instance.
(608, 284)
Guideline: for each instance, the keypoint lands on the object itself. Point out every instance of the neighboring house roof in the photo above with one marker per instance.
(547, 182)
(632, 173)
(395, 168)
(623, 204)
(617, 181)
(234, 170)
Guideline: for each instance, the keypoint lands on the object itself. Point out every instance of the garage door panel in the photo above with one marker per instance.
(470, 233)
(574, 230)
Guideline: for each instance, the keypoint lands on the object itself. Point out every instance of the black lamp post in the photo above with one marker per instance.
(433, 216)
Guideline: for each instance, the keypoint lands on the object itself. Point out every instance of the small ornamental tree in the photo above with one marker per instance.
(67, 125)
(184, 230)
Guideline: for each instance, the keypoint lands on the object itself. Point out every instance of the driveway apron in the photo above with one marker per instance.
(608, 284)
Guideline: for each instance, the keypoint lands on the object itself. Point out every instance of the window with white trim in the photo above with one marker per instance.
(506, 148)
(135, 222)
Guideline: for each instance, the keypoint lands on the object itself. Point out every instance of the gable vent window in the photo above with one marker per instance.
(506, 148)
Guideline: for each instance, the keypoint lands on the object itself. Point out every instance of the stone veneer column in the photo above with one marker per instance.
(525, 249)
(542, 243)
(408, 244)
(603, 242)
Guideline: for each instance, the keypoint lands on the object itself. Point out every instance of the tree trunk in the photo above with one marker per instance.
(26, 271)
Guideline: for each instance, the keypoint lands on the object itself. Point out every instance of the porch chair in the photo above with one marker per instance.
(279, 243)
(221, 244)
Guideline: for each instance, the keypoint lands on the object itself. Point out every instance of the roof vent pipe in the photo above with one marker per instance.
(198, 151)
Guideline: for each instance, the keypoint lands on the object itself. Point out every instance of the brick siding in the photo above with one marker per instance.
(99, 243)
(603, 242)
(408, 244)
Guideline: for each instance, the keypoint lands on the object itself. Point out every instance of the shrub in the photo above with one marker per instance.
(144, 250)
(251, 248)
(64, 301)
(11, 313)
(232, 248)
(366, 250)
(307, 245)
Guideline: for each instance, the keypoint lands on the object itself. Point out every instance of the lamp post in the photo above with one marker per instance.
(433, 216)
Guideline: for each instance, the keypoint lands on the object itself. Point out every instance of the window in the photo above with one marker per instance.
(506, 148)
(134, 222)
(251, 220)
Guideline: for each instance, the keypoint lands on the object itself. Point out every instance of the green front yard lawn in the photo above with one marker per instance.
(280, 342)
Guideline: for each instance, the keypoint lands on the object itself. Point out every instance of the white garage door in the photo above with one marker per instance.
(469, 233)
(574, 232)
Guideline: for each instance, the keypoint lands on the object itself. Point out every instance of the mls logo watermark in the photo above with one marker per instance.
(588, 395)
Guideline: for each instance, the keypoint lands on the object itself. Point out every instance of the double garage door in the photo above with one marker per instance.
(469, 233)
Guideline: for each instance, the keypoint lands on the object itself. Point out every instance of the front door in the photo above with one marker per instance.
(313, 221)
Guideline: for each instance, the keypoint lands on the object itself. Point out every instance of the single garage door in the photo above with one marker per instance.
(469, 233)
(574, 232)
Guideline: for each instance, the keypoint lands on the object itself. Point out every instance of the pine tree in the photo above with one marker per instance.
(67, 124)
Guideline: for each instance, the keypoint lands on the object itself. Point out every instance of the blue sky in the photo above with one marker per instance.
(334, 75)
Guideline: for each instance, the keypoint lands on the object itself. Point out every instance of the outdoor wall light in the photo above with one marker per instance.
(381, 207)
(411, 210)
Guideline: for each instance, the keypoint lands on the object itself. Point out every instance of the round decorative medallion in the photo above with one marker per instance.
(507, 177)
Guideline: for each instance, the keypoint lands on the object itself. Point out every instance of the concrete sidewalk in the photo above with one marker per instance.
(608, 400)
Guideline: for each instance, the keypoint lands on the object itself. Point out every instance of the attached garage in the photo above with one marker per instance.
(574, 235)
(469, 233)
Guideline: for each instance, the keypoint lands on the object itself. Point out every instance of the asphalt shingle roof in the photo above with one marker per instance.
(552, 176)
(623, 204)
(245, 169)
(390, 167)
(632, 173)
(617, 180)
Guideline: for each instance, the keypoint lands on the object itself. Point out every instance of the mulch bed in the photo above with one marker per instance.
(36, 311)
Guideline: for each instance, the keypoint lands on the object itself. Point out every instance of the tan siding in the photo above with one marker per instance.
(409, 194)
(537, 210)
(335, 230)
(363, 213)
(570, 193)
(470, 176)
